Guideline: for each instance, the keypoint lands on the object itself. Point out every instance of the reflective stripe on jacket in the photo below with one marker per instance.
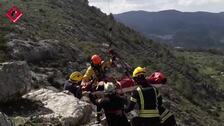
(147, 107)
(165, 115)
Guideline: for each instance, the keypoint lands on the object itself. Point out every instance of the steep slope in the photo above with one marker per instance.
(208, 62)
(53, 32)
(185, 29)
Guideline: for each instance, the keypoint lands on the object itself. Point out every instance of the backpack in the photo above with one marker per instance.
(156, 78)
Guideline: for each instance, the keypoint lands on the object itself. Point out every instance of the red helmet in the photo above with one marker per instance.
(96, 59)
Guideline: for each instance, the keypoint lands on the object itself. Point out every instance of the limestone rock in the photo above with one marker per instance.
(15, 80)
(70, 110)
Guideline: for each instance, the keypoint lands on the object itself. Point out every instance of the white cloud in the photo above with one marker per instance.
(197, 2)
(118, 6)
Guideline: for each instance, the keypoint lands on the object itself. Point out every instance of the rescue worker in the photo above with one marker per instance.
(97, 70)
(73, 84)
(96, 73)
(113, 105)
(147, 98)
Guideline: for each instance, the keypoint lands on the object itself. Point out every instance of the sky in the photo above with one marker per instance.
(119, 6)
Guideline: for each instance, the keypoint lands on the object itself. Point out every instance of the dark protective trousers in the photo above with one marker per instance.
(117, 120)
(139, 121)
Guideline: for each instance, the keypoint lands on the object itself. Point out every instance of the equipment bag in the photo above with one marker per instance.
(156, 78)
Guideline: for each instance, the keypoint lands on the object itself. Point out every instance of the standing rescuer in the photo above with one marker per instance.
(113, 105)
(96, 71)
(73, 84)
(94, 74)
(147, 98)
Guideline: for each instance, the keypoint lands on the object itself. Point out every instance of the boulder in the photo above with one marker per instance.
(48, 77)
(32, 51)
(5, 121)
(57, 79)
(43, 50)
(39, 80)
(68, 109)
(15, 80)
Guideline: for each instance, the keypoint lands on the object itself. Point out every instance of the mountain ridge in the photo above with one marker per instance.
(185, 29)
(170, 10)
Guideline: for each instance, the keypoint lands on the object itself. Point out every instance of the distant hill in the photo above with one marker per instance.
(183, 29)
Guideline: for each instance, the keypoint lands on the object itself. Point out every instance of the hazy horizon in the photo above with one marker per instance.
(170, 10)
(121, 6)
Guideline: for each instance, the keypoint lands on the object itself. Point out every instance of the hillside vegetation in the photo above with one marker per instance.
(208, 62)
(77, 31)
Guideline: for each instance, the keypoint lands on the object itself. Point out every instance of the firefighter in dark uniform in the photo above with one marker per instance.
(147, 98)
(113, 105)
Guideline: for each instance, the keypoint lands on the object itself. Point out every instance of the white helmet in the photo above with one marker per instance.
(109, 87)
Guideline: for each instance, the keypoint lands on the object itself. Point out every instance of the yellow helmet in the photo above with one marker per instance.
(138, 71)
(109, 87)
(76, 76)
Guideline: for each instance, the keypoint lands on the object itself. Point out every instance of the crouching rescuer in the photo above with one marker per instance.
(113, 105)
(73, 84)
